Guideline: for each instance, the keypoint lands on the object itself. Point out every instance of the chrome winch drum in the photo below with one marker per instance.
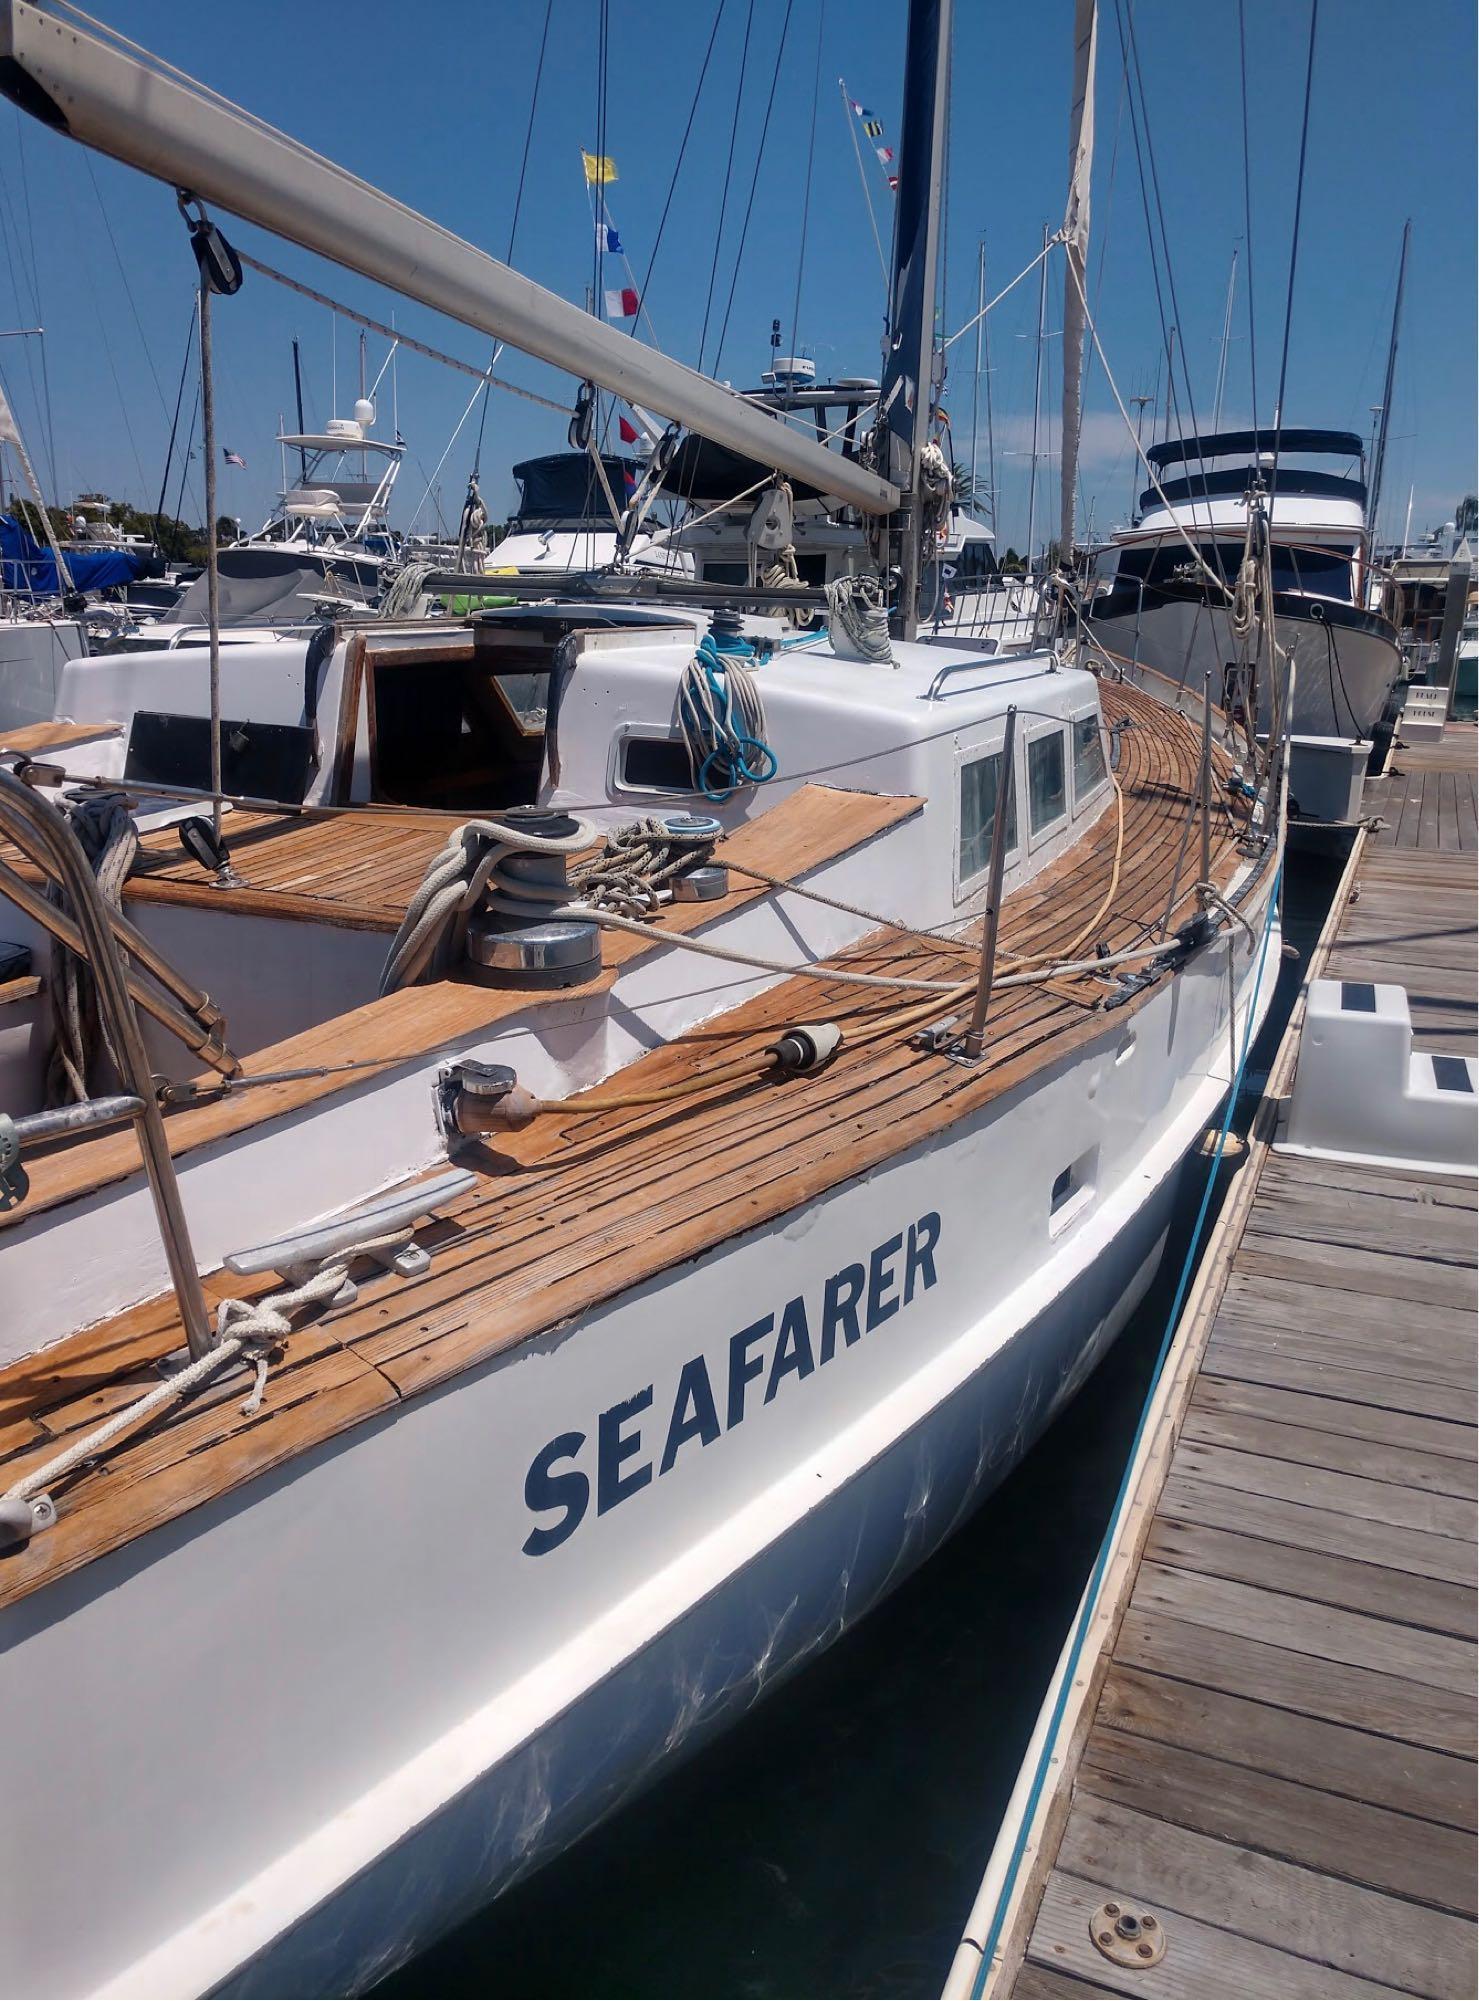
(512, 941)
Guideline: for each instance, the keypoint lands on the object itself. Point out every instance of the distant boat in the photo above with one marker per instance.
(1167, 625)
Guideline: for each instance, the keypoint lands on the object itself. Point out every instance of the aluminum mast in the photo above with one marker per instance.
(167, 125)
(907, 394)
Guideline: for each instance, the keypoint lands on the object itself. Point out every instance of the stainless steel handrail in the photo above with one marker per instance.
(42, 832)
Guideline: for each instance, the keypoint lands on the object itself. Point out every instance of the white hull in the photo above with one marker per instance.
(1344, 677)
(350, 1703)
(33, 654)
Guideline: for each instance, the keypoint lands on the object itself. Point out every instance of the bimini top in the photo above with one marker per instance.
(1229, 444)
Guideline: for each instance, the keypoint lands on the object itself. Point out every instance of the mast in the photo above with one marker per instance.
(1232, 280)
(1379, 461)
(1042, 310)
(976, 379)
(906, 394)
(88, 86)
(1075, 281)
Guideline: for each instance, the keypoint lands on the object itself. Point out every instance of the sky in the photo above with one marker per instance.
(434, 108)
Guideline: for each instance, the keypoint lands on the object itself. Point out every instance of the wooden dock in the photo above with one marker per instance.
(1267, 1743)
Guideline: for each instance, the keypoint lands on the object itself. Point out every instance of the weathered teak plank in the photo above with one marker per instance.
(1280, 1758)
(35, 739)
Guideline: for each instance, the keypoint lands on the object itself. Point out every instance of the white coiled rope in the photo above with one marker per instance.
(857, 621)
(110, 840)
(248, 1328)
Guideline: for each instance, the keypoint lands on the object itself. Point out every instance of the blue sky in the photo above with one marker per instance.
(432, 104)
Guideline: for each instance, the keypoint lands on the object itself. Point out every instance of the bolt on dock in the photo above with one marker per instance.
(1256, 1774)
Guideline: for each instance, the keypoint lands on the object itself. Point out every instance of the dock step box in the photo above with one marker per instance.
(1361, 1093)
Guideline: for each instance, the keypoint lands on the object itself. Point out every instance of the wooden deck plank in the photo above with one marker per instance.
(1331, 1757)
(1358, 1932)
(1367, 1698)
(35, 739)
(1450, 1437)
(1324, 1531)
(1275, 1367)
(1302, 1626)
(1201, 1961)
(1283, 1479)
(1344, 1838)
(1272, 1547)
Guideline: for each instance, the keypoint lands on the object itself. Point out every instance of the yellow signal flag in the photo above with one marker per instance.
(600, 169)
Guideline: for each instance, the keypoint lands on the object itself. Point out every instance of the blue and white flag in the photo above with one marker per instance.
(609, 241)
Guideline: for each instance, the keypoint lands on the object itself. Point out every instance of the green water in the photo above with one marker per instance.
(833, 1842)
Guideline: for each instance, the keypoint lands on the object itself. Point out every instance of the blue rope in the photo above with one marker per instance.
(732, 755)
(1101, 1561)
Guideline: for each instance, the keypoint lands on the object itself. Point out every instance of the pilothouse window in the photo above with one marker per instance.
(980, 788)
(1046, 793)
(1088, 758)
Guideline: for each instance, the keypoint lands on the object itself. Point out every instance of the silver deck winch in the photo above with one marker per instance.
(511, 938)
(709, 880)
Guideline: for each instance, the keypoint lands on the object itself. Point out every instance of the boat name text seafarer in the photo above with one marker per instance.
(854, 1301)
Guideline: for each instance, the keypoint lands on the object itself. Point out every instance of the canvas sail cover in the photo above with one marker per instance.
(1076, 245)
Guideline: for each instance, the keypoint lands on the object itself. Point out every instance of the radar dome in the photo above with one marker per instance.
(364, 413)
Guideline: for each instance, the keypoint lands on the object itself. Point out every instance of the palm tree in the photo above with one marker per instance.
(1466, 515)
(970, 494)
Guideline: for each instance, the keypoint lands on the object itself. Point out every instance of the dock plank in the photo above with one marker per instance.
(1358, 1932)
(1375, 1459)
(1341, 1837)
(1385, 1705)
(1428, 1785)
(1453, 1439)
(1201, 1960)
(1272, 1547)
(1305, 1627)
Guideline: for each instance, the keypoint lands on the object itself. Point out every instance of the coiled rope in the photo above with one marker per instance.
(110, 840)
(243, 1328)
(857, 621)
(722, 719)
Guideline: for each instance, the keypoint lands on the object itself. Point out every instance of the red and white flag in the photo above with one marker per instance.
(630, 435)
(622, 305)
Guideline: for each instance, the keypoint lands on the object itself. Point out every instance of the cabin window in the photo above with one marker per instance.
(655, 764)
(1047, 795)
(980, 789)
(1088, 758)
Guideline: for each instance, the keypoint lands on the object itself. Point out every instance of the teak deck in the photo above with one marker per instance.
(596, 1204)
(1280, 1765)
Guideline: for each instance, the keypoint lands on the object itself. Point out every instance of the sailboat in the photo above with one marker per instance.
(504, 1291)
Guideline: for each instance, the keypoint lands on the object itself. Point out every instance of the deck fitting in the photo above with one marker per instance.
(1129, 1938)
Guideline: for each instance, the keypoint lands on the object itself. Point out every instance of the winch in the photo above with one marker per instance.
(511, 938)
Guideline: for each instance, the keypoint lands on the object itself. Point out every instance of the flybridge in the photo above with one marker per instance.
(70, 73)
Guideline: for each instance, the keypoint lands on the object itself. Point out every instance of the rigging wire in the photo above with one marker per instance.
(816, 91)
(780, 57)
(128, 291)
(1155, 190)
(20, 147)
(174, 428)
(513, 227)
(1304, 134)
(739, 92)
(1248, 222)
(662, 220)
